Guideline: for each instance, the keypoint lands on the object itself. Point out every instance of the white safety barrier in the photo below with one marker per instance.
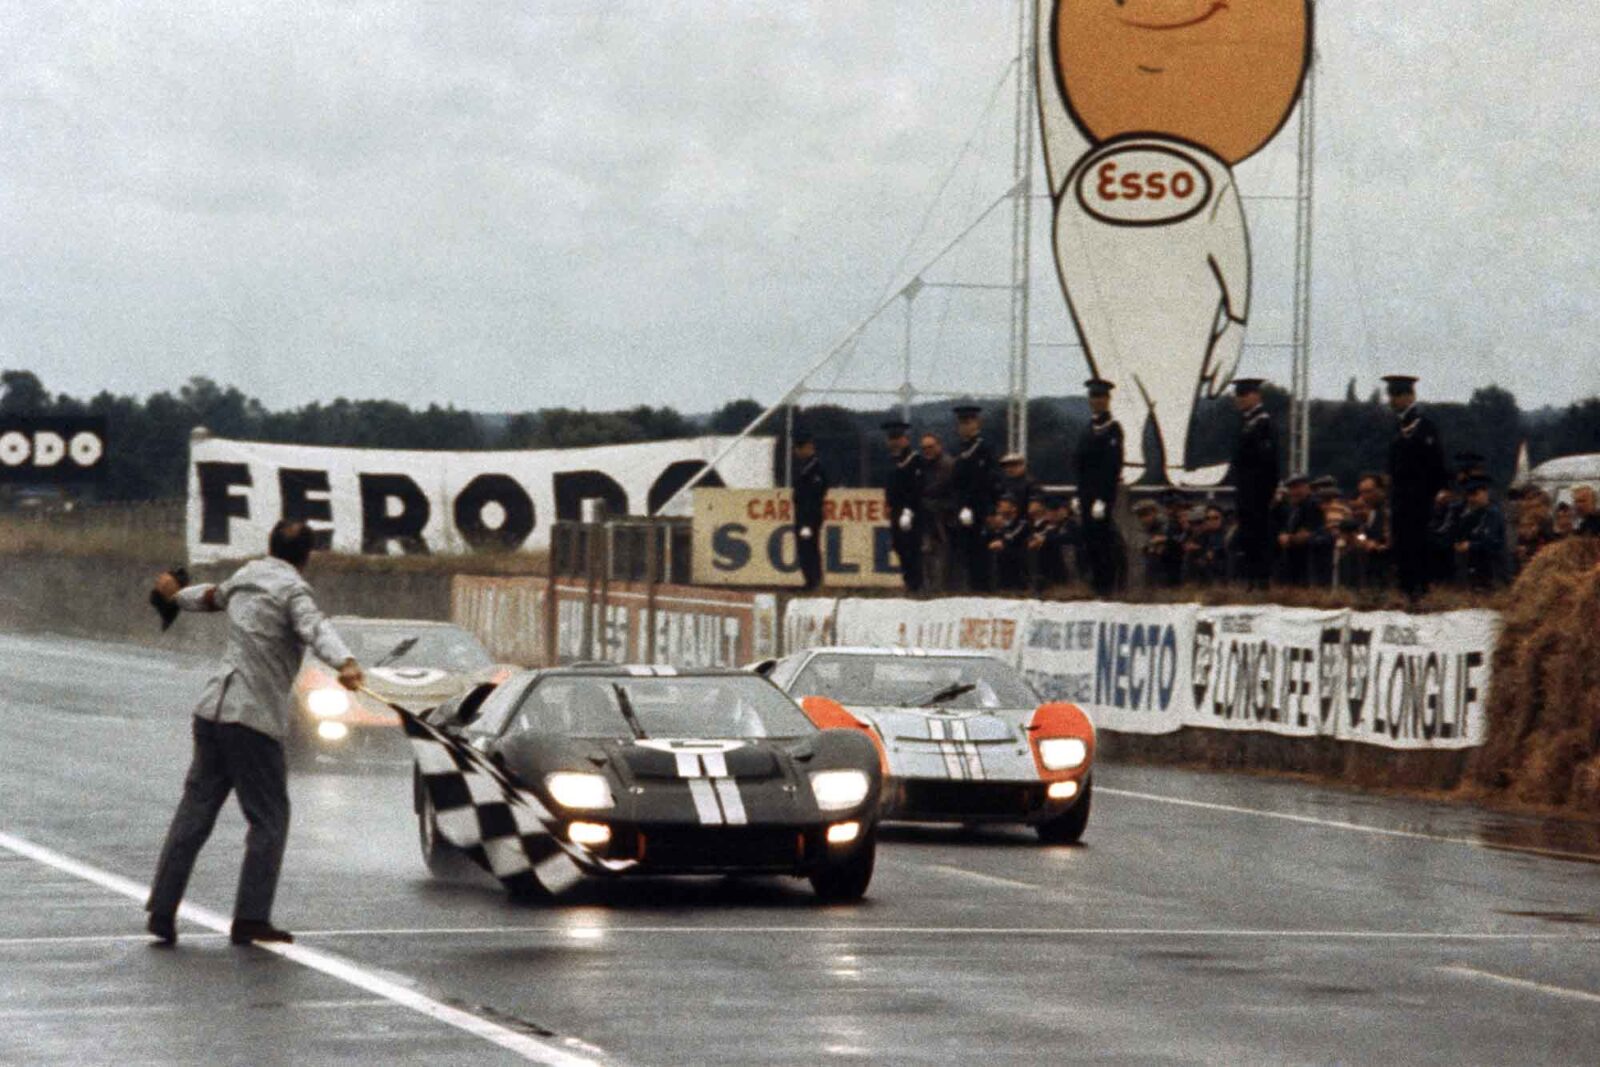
(1382, 678)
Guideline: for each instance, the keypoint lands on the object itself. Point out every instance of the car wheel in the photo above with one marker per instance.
(437, 853)
(847, 879)
(1068, 827)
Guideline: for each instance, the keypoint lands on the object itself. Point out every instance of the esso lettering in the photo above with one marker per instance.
(1113, 184)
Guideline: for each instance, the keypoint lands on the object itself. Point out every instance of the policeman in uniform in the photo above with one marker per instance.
(1416, 474)
(1255, 480)
(903, 497)
(1099, 469)
(810, 488)
(1481, 534)
(975, 476)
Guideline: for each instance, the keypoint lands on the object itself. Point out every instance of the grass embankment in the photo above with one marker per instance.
(1543, 748)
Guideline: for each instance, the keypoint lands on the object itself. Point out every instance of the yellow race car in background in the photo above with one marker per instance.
(410, 662)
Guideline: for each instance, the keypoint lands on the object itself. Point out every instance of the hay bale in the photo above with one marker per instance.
(1544, 703)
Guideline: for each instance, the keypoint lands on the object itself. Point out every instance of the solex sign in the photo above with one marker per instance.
(747, 538)
(52, 449)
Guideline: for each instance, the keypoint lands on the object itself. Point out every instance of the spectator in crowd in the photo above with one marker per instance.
(1303, 530)
(938, 515)
(1151, 538)
(1016, 482)
(1099, 469)
(1174, 531)
(1255, 478)
(902, 496)
(1416, 474)
(1047, 543)
(1372, 512)
(1206, 546)
(1350, 556)
(1586, 519)
(810, 491)
(975, 490)
(1008, 543)
(1442, 522)
(1481, 534)
(1532, 535)
(1325, 552)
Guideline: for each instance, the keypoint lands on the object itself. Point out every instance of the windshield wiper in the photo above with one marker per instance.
(949, 692)
(627, 713)
(406, 645)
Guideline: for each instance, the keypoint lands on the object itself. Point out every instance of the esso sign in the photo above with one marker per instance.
(51, 449)
(1143, 184)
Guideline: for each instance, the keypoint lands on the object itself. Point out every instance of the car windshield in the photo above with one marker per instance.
(969, 682)
(445, 648)
(724, 706)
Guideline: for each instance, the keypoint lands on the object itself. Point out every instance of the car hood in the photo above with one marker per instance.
(921, 724)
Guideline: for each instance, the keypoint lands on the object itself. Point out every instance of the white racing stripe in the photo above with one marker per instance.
(705, 801)
(732, 803)
(530, 1047)
(1524, 983)
(1336, 824)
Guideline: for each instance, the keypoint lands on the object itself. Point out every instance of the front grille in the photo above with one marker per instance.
(713, 848)
(933, 796)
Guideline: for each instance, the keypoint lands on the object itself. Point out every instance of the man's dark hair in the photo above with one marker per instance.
(290, 541)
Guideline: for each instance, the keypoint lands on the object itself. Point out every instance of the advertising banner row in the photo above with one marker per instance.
(389, 502)
(620, 623)
(1380, 678)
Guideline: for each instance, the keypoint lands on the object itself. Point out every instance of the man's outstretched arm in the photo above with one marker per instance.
(202, 597)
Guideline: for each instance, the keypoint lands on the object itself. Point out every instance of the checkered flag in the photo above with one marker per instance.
(505, 830)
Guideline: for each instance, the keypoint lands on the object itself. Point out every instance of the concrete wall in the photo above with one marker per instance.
(108, 598)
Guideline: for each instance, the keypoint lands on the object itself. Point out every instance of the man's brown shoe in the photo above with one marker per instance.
(248, 931)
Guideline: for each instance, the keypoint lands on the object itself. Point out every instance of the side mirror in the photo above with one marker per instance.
(762, 667)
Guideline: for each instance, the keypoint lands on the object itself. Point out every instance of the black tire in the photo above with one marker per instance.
(437, 854)
(848, 879)
(1067, 828)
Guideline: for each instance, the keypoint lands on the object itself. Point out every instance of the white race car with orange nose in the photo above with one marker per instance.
(963, 736)
(409, 662)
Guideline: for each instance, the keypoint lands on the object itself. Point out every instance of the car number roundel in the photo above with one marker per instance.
(1143, 184)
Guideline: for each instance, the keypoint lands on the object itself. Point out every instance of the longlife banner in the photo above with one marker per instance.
(1382, 678)
(748, 537)
(381, 502)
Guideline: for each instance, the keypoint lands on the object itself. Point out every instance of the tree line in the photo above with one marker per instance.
(149, 437)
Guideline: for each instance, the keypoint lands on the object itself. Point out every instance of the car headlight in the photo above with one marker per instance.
(839, 789)
(1063, 753)
(579, 791)
(328, 703)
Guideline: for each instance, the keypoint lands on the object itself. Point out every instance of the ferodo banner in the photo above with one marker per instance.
(52, 449)
(1125, 664)
(392, 502)
(747, 537)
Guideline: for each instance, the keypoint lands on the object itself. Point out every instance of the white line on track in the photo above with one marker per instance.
(979, 876)
(1523, 983)
(1336, 824)
(591, 933)
(530, 1047)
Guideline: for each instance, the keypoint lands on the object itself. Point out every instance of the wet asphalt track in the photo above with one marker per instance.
(1250, 921)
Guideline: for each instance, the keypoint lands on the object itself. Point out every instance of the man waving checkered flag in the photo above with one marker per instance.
(505, 830)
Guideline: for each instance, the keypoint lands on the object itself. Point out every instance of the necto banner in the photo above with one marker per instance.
(747, 537)
(377, 502)
(52, 449)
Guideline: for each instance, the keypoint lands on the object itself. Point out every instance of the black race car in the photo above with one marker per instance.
(649, 770)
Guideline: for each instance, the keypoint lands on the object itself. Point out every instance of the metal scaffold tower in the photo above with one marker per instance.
(1300, 378)
(1021, 229)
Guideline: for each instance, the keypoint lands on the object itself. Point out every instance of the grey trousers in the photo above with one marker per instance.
(228, 757)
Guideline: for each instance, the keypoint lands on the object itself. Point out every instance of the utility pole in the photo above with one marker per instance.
(1300, 384)
(1021, 230)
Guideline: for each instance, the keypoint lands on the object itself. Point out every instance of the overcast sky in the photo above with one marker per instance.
(608, 202)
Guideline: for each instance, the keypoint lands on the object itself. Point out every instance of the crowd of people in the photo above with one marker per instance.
(963, 519)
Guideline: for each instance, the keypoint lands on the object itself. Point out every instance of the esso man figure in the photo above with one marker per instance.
(1146, 106)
